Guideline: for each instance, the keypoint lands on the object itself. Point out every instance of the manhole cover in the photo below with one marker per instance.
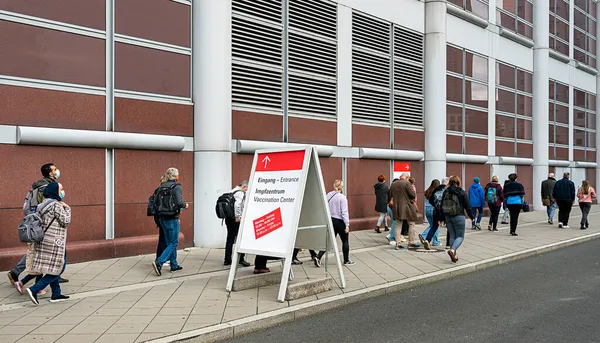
(427, 251)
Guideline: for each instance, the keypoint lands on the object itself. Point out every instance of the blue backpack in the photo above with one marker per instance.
(491, 196)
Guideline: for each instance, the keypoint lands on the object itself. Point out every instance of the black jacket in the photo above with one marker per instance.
(178, 194)
(564, 190)
(548, 188)
(462, 198)
(513, 188)
(381, 196)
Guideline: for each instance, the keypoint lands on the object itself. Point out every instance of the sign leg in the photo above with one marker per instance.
(233, 269)
(339, 263)
(287, 267)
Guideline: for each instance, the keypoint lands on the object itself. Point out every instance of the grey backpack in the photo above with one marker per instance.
(31, 200)
(31, 229)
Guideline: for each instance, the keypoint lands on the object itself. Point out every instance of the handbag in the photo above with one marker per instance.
(525, 206)
(546, 202)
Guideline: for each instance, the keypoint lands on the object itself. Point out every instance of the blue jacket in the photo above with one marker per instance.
(564, 190)
(476, 195)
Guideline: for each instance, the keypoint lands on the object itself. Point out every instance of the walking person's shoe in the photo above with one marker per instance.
(582, 227)
(317, 261)
(452, 255)
(59, 298)
(401, 240)
(388, 237)
(377, 230)
(587, 224)
(422, 239)
(63, 280)
(32, 296)
(157, 268)
(244, 263)
(550, 222)
(12, 277)
(513, 234)
(261, 271)
(565, 226)
(490, 227)
(399, 247)
(296, 261)
(495, 230)
(504, 223)
(414, 245)
(386, 229)
(227, 263)
(426, 245)
(478, 227)
(393, 243)
(560, 225)
(19, 287)
(349, 263)
(176, 269)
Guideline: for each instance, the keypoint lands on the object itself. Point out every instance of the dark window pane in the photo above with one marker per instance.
(562, 135)
(476, 66)
(505, 75)
(505, 101)
(562, 30)
(591, 61)
(505, 21)
(551, 112)
(591, 140)
(562, 93)
(582, 4)
(579, 138)
(551, 86)
(459, 3)
(478, 8)
(551, 133)
(505, 126)
(524, 105)
(579, 98)
(579, 117)
(508, 5)
(562, 114)
(524, 129)
(591, 121)
(592, 8)
(476, 94)
(591, 102)
(579, 56)
(552, 24)
(591, 46)
(454, 118)
(524, 29)
(476, 121)
(454, 89)
(580, 20)
(454, 59)
(579, 39)
(525, 10)
(591, 27)
(524, 81)
(562, 9)
(562, 48)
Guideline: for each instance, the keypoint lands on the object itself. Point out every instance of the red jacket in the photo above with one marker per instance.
(499, 194)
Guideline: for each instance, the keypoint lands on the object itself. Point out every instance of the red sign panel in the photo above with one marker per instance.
(402, 167)
(280, 161)
(267, 223)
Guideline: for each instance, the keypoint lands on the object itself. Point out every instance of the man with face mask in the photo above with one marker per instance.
(50, 174)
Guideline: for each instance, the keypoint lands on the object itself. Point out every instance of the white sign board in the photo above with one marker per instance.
(285, 208)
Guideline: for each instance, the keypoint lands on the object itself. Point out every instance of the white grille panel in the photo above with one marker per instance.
(266, 10)
(408, 44)
(408, 110)
(313, 96)
(312, 55)
(408, 77)
(370, 105)
(315, 16)
(256, 87)
(370, 33)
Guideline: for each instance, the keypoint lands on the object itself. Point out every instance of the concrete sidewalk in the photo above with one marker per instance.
(122, 300)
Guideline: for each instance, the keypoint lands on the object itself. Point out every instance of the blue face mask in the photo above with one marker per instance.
(56, 173)
(61, 194)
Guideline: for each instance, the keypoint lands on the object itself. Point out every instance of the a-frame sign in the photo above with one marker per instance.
(285, 208)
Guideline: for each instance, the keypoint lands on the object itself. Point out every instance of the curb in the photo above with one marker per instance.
(266, 320)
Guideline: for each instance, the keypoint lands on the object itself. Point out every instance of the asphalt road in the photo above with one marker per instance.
(554, 297)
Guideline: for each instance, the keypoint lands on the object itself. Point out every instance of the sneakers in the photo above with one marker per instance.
(296, 261)
(317, 262)
(504, 223)
(399, 247)
(566, 226)
(427, 245)
(478, 227)
(176, 269)
(436, 244)
(33, 297)
(422, 239)
(377, 230)
(560, 225)
(386, 229)
(59, 298)
(157, 267)
(452, 254)
(244, 263)
(12, 277)
(490, 227)
(550, 222)
(261, 271)
(495, 230)
(63, 280)
(349, 263)
(19, 286)
(393, 243)
(388, 237)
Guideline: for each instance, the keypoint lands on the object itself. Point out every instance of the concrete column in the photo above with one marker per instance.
(110, 119)
(540, 98)
(435, 89)
(211, 93)
(597, 103)
(344, 82)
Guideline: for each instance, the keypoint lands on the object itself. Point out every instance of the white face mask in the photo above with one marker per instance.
(56, 173)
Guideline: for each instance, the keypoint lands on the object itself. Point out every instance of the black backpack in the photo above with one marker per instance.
(451, 204)
(225, 207)
(163, 203)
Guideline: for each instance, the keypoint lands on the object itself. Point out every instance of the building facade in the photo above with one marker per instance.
(115, 91)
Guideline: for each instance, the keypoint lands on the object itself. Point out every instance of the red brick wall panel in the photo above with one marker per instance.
(525, 177)
(39, 53)
(257, 126)
(454, 144)
(40, 107)
(476, 146)
(88, 13)
(409, 140)
(154, 117)
(331, 169)
(525, 150)
(506, 149)
(562, 154)
(311, 131)
(480, 170)
(578, 155)
(362, 175)
(365, 136)
(454, 169)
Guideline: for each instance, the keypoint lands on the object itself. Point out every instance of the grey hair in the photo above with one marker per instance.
(445, 180)
(244, 183)
(171, 174)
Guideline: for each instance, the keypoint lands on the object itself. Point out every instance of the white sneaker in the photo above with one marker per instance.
(393, 243)
(566, 227)
(560, 225)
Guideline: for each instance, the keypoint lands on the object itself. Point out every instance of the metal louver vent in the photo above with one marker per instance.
(408, 77)
(408, 44)
(370, 69)
(370, 105)
(312, 58)
(257, 40)
(370, 33)
(408, 110)
(314, 16)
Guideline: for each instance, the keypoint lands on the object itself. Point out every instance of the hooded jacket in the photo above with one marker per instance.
(499, 193)
(381, 196)
(476, 195)
(463, 200)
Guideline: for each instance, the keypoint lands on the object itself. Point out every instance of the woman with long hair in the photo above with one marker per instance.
(455, 204)
(429, 212)
(585, 194)
(381, 201)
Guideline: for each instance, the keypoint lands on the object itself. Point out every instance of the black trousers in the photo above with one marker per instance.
(514, 211)
(404, 231)
(564, 211)
(232, 231)
(585, 210)
(162, 243)
(434, 227)
(494, 215)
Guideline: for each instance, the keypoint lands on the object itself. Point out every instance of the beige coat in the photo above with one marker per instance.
(403, 197)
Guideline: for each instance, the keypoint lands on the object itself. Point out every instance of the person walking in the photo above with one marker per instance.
(564, 193)
(547, 199)
(170, 205)
(494, 197)
(505, 216)
(391, 237)
(435, 200)
(338, 207)
(585, 194)
(477, 200)
(49, 257)
(514, 193)
(381, 200)
(233, 224)
(454, 205)
(403, 204)
(429, 214)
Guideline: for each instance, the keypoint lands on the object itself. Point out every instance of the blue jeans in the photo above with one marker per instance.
(393, 226)
(429, 216)
(477, 215)
(170, 228)
(52, 280)
(550, 210)
(456, 230)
